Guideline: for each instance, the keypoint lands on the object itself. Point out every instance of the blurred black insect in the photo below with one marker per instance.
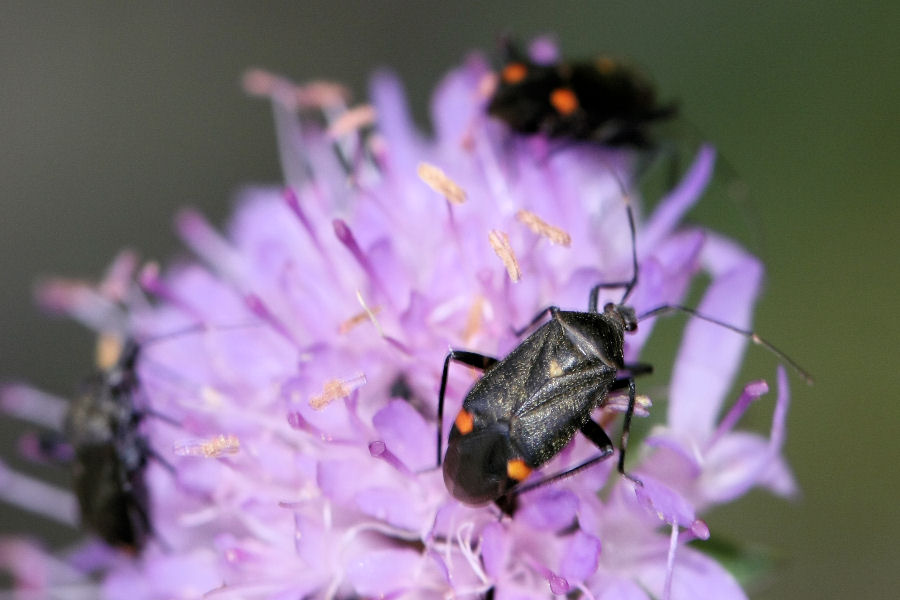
(602, 100)
(110, 454)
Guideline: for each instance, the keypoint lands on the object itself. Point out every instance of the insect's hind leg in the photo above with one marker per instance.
(472, 359)
(596, 434)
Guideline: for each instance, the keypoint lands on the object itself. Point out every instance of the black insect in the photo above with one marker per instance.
(602, 100)
(110, 454)
(529, 405)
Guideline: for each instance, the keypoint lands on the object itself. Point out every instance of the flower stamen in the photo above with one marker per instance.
(347, 325)
(556, 235)
(438, 181)
(214, 447)
(336, 388)
(358, 117)
(474, 319)
(500, 243)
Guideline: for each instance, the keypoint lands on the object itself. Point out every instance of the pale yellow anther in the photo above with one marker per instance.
(352, 120)
(437, 180)
(334, 389)
(502, 248)
(213, 447)
(315, 94)
(370, 312)
(364, 315)
(487, 85)
(544, 229)
(474, 318)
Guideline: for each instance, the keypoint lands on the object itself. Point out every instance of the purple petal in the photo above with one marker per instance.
(710, 354)
(619, 589)
(676, 457)
(394, 121)
(395, 506)
(494, 549)
(340, 480)
(664, 502)
(738, 461)
(581, 557)
(406, 434)
(695, 576)
(673, 207)
(664, 278)
(178, 576)
(453, 108)
(548, 509)
(380, 572)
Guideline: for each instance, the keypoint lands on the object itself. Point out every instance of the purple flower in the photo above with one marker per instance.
(290, 375)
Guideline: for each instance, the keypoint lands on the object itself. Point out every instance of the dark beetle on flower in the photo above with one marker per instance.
(110, 454)
(602, 100)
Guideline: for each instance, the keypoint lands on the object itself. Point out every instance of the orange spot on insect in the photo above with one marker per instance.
(513, 73)
(517, 469)
(564, 101)
(465, 423)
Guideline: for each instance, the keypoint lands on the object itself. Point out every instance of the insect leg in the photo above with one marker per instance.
(472, 359)
(597, 436)
(537, 318)
(636, 369)
(626, 429)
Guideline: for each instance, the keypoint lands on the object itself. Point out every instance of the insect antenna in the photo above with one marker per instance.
(666, 309)
(628, 285)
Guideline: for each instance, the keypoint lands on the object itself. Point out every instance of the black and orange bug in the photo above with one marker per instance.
(529, 405)
(604, 100)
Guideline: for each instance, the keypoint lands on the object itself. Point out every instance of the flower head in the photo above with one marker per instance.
(288, 380)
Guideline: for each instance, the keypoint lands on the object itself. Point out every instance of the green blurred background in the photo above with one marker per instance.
(112, 117)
